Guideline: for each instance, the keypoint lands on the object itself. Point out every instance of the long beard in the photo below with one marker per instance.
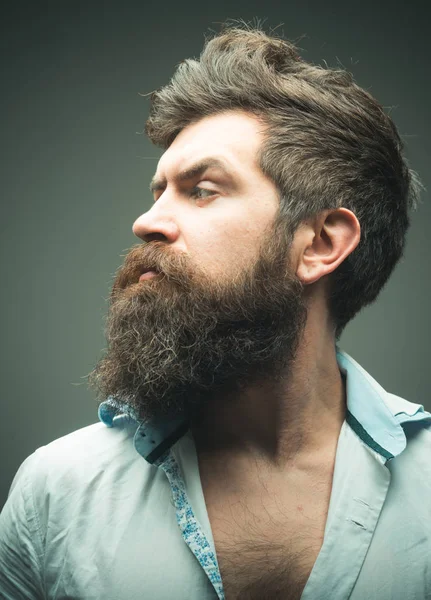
(182, 338)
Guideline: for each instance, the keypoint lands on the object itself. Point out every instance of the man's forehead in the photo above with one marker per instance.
(230, 138)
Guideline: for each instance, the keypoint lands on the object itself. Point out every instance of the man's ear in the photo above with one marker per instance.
(322, 243)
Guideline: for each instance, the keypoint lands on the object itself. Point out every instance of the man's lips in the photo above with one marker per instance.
(148, 275)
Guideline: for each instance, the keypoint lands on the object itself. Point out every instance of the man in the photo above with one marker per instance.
(246, 455)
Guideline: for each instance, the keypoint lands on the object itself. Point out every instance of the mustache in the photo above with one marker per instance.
(150, 256)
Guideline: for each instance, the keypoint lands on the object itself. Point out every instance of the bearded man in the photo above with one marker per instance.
(246, 455)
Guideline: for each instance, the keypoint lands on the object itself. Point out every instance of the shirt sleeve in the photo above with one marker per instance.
(21, 548)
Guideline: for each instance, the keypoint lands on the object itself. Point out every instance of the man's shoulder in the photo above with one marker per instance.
(70, 465)
(406, 411)
(418, 435)
(94, 444)
(416, 423)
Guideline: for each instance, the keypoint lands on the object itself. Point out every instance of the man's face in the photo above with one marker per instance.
(226, 310)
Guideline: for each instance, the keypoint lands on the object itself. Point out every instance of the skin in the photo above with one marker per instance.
(206, 249)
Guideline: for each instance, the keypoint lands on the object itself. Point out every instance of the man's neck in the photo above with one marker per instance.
(295, 425)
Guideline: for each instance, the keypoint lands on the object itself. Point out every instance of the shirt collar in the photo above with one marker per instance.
(152, 439)
(375, 415)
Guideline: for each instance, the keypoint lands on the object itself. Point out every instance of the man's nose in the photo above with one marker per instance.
(150, 226)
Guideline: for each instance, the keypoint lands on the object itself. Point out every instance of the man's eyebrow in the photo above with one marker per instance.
(191, 172)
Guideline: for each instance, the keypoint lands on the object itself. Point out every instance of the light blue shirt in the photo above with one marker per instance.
(116, 511)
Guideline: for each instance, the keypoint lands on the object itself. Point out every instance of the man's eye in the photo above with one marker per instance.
(198, 192)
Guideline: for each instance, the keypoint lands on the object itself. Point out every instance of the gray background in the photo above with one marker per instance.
(75, 176)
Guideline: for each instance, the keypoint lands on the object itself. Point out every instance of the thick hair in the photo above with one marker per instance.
(328, 144)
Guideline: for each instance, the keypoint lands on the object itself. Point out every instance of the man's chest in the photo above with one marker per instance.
(267, 543)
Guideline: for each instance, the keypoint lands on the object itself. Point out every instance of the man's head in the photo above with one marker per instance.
(328, 144)
(273, 171)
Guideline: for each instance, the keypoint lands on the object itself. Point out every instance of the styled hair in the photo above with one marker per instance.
(327, 144)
